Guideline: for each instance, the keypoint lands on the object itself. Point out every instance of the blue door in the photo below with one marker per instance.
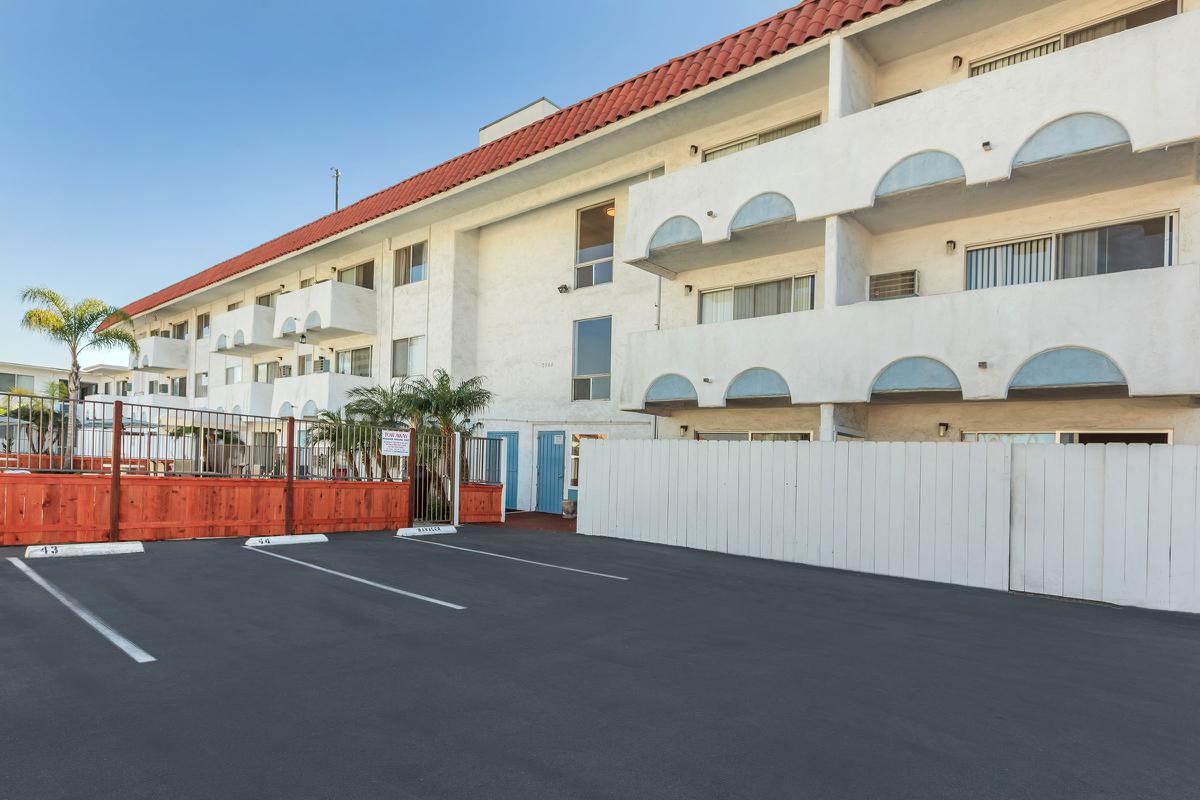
(510, 469)
(552, 449)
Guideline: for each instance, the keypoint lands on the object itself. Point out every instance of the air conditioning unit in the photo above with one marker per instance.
(285, 371)
(892, 285)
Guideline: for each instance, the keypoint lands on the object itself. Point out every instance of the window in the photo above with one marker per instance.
(1119, 247)
(409, 263)
(755, 436)
(201, 384)
(757, 299)
(363, 275)
(202, 325)
(1096, 30)
(234, 306)
(179, 330)
(1070, 437)
(10, 381)
(179, 387)
(592, 359)
(354, 362)
(306, 282)
(266, 371)
(304, 365)
(594, 245)
(108, 387)
(267, 299)
(576, 438)
(408, 357)
(233, 374)
(746, 143)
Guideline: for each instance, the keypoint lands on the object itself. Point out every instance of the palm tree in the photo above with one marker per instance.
(441, 404)
(344, 436)
(88, 323)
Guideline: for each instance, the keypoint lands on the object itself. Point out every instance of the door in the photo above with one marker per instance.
(551, 455)
(510, 468)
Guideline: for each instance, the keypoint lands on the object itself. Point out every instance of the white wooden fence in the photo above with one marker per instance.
(1104, 522)
(1112, 522)
(918, 510)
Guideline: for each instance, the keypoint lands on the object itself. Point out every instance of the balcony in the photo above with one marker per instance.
(305, 395)
(1127, 333)
(161, 355)
(327, 310)
(246, 397)
(157, 399)
(969, 133)
(245, 331)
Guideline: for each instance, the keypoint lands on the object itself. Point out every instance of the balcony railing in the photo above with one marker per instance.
(327, 310)
(1143, 321)
(245, 331)
(162, 355)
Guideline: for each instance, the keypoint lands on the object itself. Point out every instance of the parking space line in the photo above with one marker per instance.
(514, 558)
(130, 649)
(386, 588)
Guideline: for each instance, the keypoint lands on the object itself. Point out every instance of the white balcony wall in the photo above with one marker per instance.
(246, 397)
(836, 167)
(157, 399)
(326, 310)
(161, 355)
(1144, 321)
(305, 395)
(245, 331)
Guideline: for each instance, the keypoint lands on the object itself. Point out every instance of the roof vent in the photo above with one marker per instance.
(518, 119)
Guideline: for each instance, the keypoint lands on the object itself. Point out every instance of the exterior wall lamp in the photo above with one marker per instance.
(943, 429)
(563, 288)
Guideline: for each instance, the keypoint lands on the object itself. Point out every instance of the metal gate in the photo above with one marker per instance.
(433, 478)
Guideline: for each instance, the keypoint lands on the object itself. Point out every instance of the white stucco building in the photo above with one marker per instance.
(945, 219)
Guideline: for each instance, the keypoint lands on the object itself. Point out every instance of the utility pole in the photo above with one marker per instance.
(337, 185)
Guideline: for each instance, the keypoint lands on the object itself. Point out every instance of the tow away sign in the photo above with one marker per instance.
(394, 443)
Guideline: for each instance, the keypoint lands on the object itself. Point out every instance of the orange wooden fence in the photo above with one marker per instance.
(54, 509)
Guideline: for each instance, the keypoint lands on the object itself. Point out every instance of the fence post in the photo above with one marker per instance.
(503, 477)
(114, 489)
(410, 517)
(289, 518)
(457, 478)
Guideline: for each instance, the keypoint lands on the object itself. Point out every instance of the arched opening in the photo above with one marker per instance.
(309, 410)
(1071, 135)
(286, 410)
(290, 327)
(1068, 371)
(758, 386)
(764, 209)
(675, 232)
(927, 168)
(669, 392)
(916, 378)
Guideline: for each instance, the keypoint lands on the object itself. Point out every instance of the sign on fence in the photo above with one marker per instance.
(394, 443)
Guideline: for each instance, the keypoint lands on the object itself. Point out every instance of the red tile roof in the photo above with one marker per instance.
(797, 25)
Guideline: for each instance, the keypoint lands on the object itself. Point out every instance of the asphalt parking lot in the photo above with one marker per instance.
(652, 673)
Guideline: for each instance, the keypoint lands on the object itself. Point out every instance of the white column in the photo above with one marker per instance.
(457, 493)
(847, 253)
(851, 78)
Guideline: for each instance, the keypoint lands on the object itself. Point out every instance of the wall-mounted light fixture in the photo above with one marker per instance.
(563, 288)
(951, 246)
(712, 214)
(987, 146)
(304, 338)
(956, 62)
(683, 429)
(694, 149)
(687, 288)
(708, 380)
(611, 211)
(943, 429)
(983, 365)
(281, 287)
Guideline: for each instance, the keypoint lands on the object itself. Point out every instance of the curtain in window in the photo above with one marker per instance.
(1080, 254)
(1010, 264)
(716, 306)
(803, 294)
(360, 362)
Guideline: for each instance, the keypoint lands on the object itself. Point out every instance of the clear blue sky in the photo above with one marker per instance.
(142, 142)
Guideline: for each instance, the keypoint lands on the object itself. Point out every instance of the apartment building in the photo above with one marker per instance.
(889, 219)
(44, 380)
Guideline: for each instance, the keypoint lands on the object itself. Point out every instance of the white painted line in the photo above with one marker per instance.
(386, 588)
(303, 538)
(132, 650)
(522, 560)
(426, 530)
(91, 549)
